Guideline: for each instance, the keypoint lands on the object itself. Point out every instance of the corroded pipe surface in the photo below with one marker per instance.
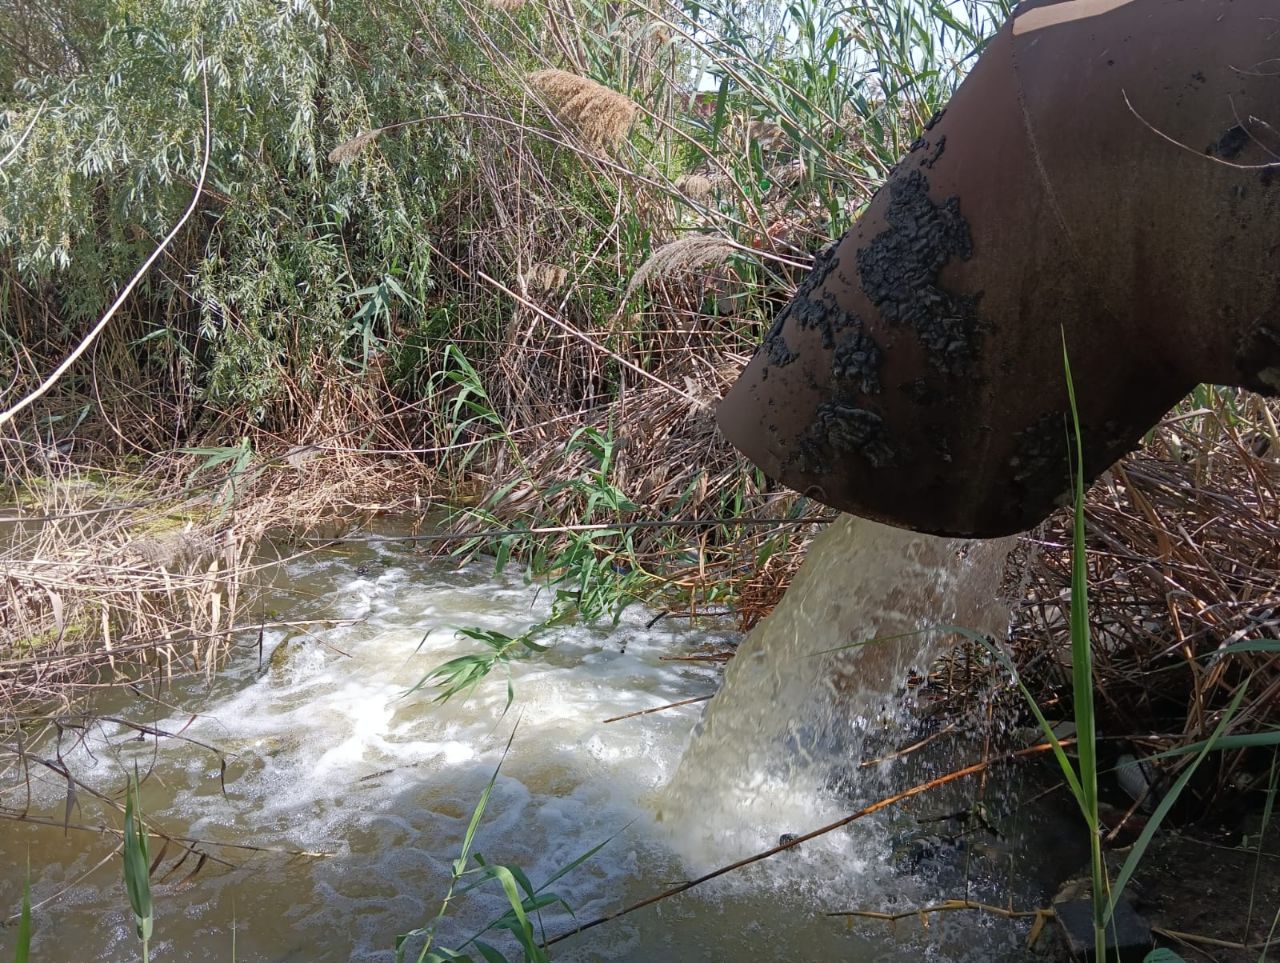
(1107, 173)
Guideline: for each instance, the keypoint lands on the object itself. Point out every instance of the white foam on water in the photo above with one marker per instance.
(327, 753)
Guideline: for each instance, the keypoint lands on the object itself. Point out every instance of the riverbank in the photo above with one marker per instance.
(141, 568)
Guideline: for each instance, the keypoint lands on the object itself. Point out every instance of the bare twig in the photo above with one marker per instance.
(669, 705)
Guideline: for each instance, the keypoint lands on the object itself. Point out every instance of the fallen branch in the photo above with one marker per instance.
(915, 747)
(187, 842)
(922, 913)
(1195, 938)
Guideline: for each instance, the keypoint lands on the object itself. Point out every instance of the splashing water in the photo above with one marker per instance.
(862, 611)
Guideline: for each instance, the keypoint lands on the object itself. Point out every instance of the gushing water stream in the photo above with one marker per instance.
(862, 611)
(326, 754)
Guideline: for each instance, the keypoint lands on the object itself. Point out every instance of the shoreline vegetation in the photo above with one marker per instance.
(492, 264)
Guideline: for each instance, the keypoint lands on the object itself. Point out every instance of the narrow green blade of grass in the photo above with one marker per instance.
(1082, 676)
(22, 950)
(1268, 810)
(522, 929)
(137, 870)
(1068, 770)
(1081, 650)
(460, 864)
(1157, 818)
(490, 954)
(1246, 740)
(1240, 648)
(459, 869)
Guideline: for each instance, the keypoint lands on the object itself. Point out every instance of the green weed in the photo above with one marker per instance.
(137, 868)
(22, 945)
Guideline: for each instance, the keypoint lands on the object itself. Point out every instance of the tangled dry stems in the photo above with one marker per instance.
(1183, 560)
(103, 584)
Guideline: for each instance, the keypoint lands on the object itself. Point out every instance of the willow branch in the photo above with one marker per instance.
(8, 415)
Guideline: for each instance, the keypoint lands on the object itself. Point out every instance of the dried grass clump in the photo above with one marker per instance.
(788, 176)
(102, 582)
(151, 577)
(506, 5)
(696, 187)
(681, 257)
(1183, 561)
(545, 277)
(764, 133)
(601, 115)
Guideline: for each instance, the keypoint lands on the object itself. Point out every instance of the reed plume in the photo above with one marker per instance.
(678, 257)
(695, 186)
(601, 115)
(348, 150)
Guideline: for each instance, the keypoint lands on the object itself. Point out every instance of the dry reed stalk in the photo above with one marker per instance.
(602, 116)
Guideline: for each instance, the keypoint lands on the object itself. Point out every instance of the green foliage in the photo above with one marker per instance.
(137, 867)
(235, 460)
(301, 267)
(849, 86)
(593, 569)
(592, 566)
(287, 240)
(462, 674)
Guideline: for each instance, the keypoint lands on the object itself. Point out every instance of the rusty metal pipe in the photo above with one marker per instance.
(1109, 173)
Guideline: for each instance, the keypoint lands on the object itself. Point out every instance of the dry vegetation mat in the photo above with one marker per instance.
(1184, 591)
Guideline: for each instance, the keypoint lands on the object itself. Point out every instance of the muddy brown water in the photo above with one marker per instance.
(326, 753)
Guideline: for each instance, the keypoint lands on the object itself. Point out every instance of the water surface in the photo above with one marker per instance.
(325, 753)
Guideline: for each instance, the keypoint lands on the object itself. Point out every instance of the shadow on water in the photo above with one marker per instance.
(325, 754)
